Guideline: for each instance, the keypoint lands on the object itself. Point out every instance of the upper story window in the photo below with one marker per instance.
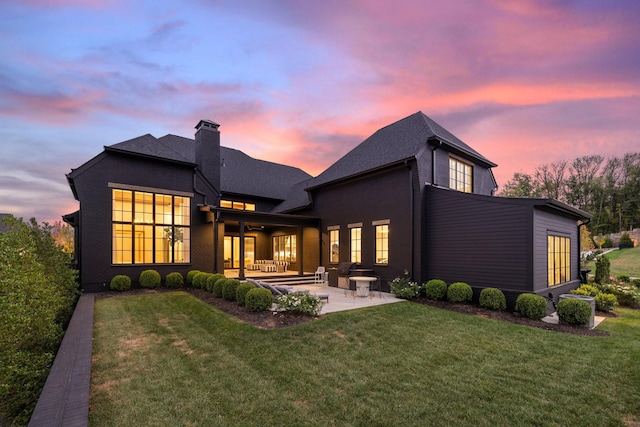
(150, 228)
(243, 206)
(460, 175)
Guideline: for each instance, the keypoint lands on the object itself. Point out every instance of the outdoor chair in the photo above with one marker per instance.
(319, 275)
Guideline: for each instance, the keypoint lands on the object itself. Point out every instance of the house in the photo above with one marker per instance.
(410, 197)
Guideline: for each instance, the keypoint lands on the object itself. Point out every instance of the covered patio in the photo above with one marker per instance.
(246, 241)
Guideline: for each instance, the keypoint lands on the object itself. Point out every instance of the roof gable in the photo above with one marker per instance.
(394, 143)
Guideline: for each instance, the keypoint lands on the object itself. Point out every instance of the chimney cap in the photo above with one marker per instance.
(207, 124)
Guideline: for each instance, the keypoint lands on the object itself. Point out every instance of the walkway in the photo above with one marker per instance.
(64, 400)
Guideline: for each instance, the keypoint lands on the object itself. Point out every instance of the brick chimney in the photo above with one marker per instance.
(208, 151)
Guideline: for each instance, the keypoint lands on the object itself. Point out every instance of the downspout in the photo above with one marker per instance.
(580, 248)
(195, 189)
(436, 143)
(411, 207)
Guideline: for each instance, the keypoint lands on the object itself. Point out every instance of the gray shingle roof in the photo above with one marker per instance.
(393, 143)
(239, 173)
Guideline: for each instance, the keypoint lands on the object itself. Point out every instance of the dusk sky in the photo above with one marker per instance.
(302, 82)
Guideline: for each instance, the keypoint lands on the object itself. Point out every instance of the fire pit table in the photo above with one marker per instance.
(362, 284)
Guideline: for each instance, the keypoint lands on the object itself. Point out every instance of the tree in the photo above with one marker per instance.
(549, 180)
(581, 181)
(38, 291)
(63, 236)
(521, 185)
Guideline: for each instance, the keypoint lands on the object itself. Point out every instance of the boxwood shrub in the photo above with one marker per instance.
(574, 311)
(121, 282)
(211, 280)
(459, 292)
(587, 290)
(150, 279)
(229, 289)
(216, 290)
(493, 299)
(435, 289)
(241, 292)
(200, 280)
(190, 275)
(531, 305)
(174, 280)
(258, 299)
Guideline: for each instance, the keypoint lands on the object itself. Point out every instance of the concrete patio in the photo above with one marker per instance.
(345, 299)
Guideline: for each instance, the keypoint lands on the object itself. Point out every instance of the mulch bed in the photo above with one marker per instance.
(270, 320)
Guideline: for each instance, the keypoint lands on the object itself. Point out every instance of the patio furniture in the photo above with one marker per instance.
(362, 284)
(319, 275)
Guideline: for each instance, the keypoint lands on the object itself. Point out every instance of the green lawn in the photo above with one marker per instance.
(624, 261)
(170, 359)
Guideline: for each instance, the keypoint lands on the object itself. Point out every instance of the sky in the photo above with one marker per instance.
(525, 83)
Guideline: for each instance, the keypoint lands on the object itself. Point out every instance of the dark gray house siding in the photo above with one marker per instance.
(384, 195)
(93, 185)
(497, 242)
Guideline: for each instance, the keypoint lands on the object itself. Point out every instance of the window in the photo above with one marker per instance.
(232, 251)
(559, 259)
(242, 206)
(356, 244)
(334, 245)
(150, 228)
(382, 244)
(460, 176)
(284, 248)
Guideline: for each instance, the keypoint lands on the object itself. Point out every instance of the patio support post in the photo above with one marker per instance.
(300, 252)
(241, 271)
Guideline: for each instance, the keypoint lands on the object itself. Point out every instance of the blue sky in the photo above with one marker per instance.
(524, 83)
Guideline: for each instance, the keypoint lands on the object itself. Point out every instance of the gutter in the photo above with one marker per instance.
(588, 220)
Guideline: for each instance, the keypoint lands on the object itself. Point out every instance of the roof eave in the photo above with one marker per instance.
(458, 150)
(149, 156)
(362, 173)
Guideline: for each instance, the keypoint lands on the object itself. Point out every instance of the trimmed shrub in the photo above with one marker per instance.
(211, 280)
(121, 282)
(241, 292)
(300, 302)
(607, 242)
(190, 275)
(531, 306)
(216, 290)
(435, 289)
(174, 280)
(459, 292)
(574, 311)
(625, 241)
(493, 299)
(150, 279)
(603, 267)
(587, 290)
(229, 289)
(200, 280)
(605, 302)
(258, 299)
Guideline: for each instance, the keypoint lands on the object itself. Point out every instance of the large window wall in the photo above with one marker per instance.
(150, 228)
